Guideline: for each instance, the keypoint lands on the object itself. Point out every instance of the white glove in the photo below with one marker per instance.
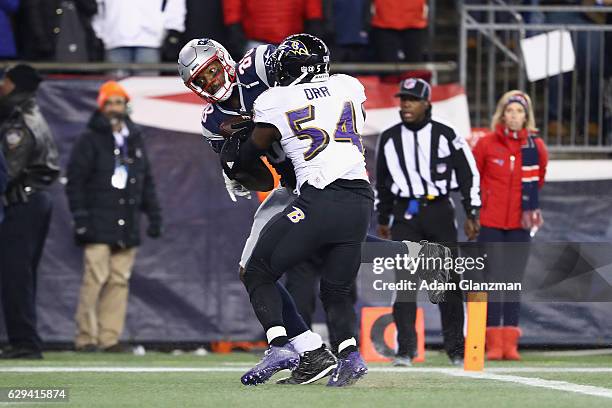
(234, 188)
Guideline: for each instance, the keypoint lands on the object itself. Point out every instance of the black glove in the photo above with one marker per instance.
(171, 46)
(236, 41)
(83, 232)
(154, 230)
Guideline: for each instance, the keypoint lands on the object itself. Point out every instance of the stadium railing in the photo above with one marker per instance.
(491, 63)
(436, 68)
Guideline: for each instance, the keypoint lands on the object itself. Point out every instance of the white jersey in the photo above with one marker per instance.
(320, 124)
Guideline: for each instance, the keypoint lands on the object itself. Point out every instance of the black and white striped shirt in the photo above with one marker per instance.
(429, 161)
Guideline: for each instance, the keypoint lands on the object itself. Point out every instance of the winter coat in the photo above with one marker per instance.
(110, 215)
(499, 160)
(271, 21)
(39, 23)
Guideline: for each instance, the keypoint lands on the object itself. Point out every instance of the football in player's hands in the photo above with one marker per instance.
(240, 126)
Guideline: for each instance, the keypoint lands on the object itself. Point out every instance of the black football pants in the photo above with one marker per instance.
(330, 223)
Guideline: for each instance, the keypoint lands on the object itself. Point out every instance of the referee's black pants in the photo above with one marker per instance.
(434, 222)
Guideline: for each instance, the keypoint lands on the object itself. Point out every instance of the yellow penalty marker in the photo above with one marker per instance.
(476, 328)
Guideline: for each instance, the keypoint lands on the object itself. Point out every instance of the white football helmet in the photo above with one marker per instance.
(196, 55)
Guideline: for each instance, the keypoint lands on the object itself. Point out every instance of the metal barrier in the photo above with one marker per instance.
(573, 110)
(101, 68)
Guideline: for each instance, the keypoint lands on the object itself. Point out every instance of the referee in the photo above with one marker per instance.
(419, 161)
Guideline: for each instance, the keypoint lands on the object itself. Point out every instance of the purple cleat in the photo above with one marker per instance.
(349, 370)
(274, 360)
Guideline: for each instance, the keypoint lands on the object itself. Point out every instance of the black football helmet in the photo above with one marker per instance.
(300, 58)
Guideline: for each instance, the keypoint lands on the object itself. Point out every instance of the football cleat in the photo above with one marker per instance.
(433, 269)
(274, 360)
(313, 366)
(349, 370)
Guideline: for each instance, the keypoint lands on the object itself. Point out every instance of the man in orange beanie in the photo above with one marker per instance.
(109, 184)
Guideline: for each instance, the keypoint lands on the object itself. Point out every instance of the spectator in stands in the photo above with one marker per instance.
(350, 28)
(587, 45)
(57, 30)
(512, 164)
(109, 185)
(251, 23)
(204, 20)
(399, 30)
(608, 77)
(32, 164)
(7, 38)
(141, 31)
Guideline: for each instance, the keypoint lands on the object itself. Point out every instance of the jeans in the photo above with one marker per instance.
(136, 55)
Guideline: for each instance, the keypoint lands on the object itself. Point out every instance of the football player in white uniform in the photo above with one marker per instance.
(317, 119)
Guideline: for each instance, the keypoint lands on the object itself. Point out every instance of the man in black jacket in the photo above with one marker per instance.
(32, 164)
(48, 30)
(109, 185)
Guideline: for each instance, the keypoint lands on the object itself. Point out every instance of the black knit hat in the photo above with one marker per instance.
(24, 77)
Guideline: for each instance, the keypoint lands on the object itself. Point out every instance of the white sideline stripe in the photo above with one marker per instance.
(242, 368)
(532, 382)
(573, 353)
(538, 382)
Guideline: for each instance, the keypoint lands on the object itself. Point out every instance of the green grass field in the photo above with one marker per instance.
(103, 380)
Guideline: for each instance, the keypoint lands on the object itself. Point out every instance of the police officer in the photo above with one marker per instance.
(110, 184)
(32, 163)
(418, 161)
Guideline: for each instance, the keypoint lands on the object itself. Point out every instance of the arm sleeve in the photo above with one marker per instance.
(80, 167)
(150, 203)
(543, 157)
(384, 196)
(232, 11)
(17, 160)
(480, 155)
(313, 10)
(467, 173)
(174, 15)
